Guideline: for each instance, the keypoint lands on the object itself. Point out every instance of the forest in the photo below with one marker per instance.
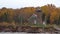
(10, 16)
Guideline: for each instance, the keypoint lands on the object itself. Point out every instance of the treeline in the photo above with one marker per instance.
(9, 15)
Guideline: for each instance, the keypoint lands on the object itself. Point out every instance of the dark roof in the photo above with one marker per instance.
(38, 10)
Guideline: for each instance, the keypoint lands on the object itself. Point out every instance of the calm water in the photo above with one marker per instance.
(28, 33)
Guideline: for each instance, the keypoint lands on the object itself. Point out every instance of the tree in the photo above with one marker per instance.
(4, 17)
(48, 19)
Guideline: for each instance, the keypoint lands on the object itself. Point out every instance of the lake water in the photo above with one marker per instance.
(26, 33)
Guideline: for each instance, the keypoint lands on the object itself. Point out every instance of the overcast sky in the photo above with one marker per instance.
(27, 3)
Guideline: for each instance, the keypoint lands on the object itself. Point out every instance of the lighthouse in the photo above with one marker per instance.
(39, 13)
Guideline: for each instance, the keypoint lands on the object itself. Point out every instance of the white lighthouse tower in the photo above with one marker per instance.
(39, 15)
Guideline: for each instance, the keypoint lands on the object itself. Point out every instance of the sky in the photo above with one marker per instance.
(27, 3)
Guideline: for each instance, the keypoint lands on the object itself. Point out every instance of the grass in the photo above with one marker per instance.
(37, 25)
